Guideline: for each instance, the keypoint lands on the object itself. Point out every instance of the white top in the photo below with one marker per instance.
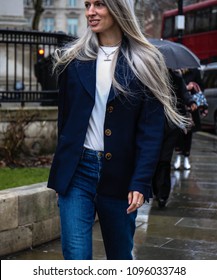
(95, 132)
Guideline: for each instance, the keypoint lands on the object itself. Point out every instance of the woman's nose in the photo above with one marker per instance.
(91, 11)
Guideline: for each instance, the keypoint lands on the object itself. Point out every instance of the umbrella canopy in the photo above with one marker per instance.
(176, 55)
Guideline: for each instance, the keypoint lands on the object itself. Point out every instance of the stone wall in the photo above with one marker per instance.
(12, 14)
(29, 214)
(41, 131)
(29, 217)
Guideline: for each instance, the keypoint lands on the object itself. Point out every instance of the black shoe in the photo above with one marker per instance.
(162, 202)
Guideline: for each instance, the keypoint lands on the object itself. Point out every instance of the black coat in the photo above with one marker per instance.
(179, 87)
(193, 75)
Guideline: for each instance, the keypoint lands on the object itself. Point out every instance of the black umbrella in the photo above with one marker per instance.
(176, 55)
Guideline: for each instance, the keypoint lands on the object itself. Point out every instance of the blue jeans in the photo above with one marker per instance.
(77, 213)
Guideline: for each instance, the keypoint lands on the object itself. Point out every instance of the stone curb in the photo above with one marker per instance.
(29, 217)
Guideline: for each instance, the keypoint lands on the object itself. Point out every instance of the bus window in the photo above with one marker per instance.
(213, 25)
(189, 23)
(168, 27)
(202, 18)
(200, 33)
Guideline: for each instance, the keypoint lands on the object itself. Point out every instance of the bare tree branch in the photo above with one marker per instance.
(38, 7)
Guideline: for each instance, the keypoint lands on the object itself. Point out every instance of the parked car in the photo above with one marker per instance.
(210, 90)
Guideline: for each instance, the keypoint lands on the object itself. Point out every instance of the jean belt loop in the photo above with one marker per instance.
(83, 151)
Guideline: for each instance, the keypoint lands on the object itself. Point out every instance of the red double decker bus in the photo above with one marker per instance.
(200, 32)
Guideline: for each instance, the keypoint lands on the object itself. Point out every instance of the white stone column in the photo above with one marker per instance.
(12, 14)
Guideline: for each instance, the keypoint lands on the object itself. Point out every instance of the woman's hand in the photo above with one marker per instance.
(193, 86)
(193, 107)
(135, 200)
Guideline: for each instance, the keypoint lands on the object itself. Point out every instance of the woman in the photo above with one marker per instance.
(114, 96)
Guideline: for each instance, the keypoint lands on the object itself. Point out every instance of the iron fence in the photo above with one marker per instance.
(25, 66)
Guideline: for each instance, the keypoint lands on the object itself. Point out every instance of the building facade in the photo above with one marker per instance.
(12, 14)
(58, 15)
(68, 15)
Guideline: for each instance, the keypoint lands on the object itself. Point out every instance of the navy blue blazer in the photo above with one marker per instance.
(131, 151)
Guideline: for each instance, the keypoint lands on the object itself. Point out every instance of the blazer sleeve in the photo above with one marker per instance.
(149, 139)
(61, 101)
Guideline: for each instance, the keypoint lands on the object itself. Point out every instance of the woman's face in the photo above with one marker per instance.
(98, 17)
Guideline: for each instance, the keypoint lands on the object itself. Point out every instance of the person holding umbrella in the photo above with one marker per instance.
(177, 56)
(194, 85)
(161, 182)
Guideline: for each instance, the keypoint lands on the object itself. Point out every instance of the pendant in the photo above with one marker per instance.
(107, 57)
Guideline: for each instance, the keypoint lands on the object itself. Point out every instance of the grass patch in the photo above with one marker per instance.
(16, 177)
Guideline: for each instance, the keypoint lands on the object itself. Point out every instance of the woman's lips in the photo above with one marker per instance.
(93, 22)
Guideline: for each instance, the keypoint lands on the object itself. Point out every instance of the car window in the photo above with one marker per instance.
(210, 79)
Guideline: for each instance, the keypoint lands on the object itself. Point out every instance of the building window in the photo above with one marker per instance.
(47, 3)
(72, 3)
(27, 2)
(48, 24)
(72, 26)
(29, 21)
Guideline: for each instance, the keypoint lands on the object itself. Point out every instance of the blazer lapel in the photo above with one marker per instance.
(87, 74)
(123, 74)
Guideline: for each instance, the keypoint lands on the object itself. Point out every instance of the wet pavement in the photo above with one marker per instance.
(185, 230)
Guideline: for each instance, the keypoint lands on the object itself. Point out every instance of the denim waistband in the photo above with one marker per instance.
(94, 153)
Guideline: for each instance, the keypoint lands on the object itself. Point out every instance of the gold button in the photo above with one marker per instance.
(108, 156)
(100, 154)
(108, 132)
(110, 109)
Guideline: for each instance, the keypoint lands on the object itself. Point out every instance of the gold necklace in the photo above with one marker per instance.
(108, 54)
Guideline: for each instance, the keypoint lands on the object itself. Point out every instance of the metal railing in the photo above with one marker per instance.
(25, 74)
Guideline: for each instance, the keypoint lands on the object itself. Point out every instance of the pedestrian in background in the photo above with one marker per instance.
(113, 98)
(162, 178)
(194, 84)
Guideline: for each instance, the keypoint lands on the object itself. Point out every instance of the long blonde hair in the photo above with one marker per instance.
(143, 58)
